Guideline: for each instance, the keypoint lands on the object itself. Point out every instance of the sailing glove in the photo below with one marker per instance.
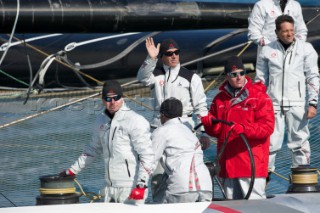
(138, 192)
(66, 173)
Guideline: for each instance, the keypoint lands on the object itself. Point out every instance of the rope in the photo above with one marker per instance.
(73, 45)
(65, 105)
(305, 178)
(313, 19)
(7, 45)
(46, 191)
(280, 176)
(62, 63)
(13, 30)
(111, 60)
(47, 111)
(92, 198)
(14, 78)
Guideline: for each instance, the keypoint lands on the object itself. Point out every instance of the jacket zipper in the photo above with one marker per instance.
(299, 89)
(110, 154)
(283, 75)
(128, 167)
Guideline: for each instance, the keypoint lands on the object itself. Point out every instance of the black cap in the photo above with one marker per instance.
(111, 87)
(171, 108)
(168, 44)
(233, 63)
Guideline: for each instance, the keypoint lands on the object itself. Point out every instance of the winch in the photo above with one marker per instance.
(55, 189)
(303, 179)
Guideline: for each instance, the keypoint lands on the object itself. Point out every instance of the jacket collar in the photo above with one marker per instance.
(241, 95)
(173, 121)
(173, 69)
(120, 113)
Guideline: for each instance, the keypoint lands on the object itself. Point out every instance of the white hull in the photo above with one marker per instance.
(285, 203)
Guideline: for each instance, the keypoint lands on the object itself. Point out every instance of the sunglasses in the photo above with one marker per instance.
(115, 98)
(176, 52)
(235, 74)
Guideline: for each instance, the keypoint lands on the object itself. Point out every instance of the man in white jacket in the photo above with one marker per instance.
(172, 80)
(181, 156)
(123, 139)
(289, 69)
(264, 13)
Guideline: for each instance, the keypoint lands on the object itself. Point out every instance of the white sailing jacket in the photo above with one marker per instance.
(177, 147)
(263, 16)
(176, 82)
(125, 145)
(292, 75)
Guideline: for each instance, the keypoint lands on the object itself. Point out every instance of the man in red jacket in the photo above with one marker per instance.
(250, 110)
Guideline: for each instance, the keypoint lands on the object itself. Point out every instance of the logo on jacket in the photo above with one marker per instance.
(273, 55)
(180, 85)
(101, 126)
(272, 13)
(161, 82)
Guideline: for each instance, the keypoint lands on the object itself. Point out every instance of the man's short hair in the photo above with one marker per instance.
(281, 19)
(171, 108)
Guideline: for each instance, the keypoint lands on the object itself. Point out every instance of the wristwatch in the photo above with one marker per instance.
(315, 105)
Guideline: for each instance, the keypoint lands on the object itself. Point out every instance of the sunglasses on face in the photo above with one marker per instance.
(176, 52)
(235, 74)
(115, 98)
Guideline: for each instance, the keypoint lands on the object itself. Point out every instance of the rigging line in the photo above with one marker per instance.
(30, 72)
(313, 19)
(213, 54)
(139, 102)
(280, 176)
(244, 48)
(216, 42)
(73, 45)
(36, 76)
(49, 110)
(13, 30)
(111, 60)
(14, 78)
(7, 45)
(225, 37)
(8, 199)
(61, 62)
(87, 86)
(57, 108)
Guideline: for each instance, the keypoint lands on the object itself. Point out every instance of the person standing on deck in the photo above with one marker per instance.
(181, 155)
(289, 69)
(264, 13)
(172, 80)
(250, 110)
(123, 139)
